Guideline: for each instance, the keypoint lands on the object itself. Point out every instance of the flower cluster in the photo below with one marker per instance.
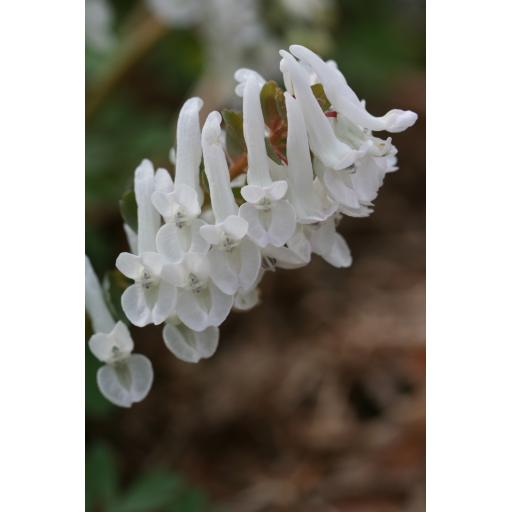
(201, 251)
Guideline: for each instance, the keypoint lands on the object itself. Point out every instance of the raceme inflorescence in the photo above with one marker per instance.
(250, 192)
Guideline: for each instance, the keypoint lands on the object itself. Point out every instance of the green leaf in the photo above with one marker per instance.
(114, 284)
(150, 493)
(268, 103)
(318, 91)
(281, 104)
(191, 500)
(235, 142)
(271, 152)
(101, 477)
(128, 207)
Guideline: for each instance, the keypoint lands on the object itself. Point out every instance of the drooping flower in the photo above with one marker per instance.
(344, 99)
(270, 216)
(323, 142)
(209, 258)
(309, 200)
(125, 378)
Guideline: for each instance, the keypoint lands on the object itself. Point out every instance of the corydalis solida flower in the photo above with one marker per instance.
(252, 192)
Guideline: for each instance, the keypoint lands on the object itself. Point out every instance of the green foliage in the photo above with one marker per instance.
(128, 207)
(101, 477)
(318, 91)
(158, 490)
(114, 284)
(268, 103)
(235, 142)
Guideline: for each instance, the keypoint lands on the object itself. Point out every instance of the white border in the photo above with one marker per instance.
(41, 212)
(469, 258)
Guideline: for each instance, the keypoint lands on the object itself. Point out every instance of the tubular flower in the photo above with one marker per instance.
(345, 100)
(270, 216)
(125, 378)
(280, 177)
(234, 259)
(182, 203)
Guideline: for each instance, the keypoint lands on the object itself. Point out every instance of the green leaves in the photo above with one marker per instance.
(273, 104)
(101, 477)
(235, 143)
(158, 490)
(318, 91)
(114, 284)
(154, 491)
(128, 207)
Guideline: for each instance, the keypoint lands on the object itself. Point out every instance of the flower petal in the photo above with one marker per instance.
(244, 301)
(165, 303)
(188, 146)
(95, 304)
(236, 227)
(190, 311)
(242, 75)
(252, 193)
(222, 273)
(126, 382)
(250, 264)
(339, 255)
(191, 346)
(148, 220)
(277, 190)
(283, 223)
(256, 230)
(129, 265)
(133, 302)
(211, 233)
(258, 172)
(216, 169)
(221, 304)
(163, 181)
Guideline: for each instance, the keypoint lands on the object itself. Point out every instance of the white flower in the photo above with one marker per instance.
(246, 300)
(271, 218)
(125, 378)
(200, 303)
(355, 188)
(150, 299)
(323, 142)
(95, 305)
(188, 345)
(346, 102)
(327, 243)
(310, 202)
(182, 203)
(234, 260)
(148, 220)
(174, 242)
(295, 254)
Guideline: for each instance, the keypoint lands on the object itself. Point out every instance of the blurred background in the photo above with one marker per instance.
(315, 399)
